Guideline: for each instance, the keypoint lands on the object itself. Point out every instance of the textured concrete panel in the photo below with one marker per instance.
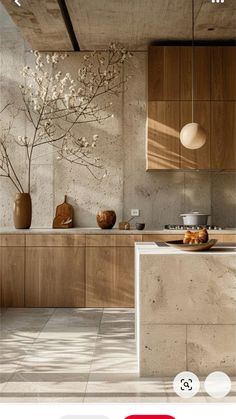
(188, 289)
(42, 195)
(86, 193)
(211, 348)
(224, 199)
(163, 350)
(197, 192)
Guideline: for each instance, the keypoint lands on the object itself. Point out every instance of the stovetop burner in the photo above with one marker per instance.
(190, 227)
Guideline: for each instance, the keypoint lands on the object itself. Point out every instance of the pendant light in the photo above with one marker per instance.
(193, 135)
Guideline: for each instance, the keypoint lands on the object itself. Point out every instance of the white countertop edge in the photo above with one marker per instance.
(150, 248)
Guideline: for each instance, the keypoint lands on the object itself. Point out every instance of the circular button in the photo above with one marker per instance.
(186, 384)
(217, 384)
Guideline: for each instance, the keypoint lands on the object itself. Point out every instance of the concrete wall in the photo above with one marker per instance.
(161, 197)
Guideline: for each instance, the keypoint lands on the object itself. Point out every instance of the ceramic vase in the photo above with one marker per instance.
(106, 219)
(22, 212)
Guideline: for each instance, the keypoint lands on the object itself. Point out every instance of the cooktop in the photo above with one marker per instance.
(191, 227)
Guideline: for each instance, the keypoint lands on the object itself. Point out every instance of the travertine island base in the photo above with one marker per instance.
(185, 310)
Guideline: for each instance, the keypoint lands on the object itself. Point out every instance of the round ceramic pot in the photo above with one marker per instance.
(106, 219)
(22, 212)
(195, 218)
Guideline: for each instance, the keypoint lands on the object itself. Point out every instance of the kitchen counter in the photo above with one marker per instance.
(185, 310)
(97, 230)
(151, 248)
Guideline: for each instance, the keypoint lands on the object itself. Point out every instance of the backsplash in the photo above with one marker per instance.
(161, 197)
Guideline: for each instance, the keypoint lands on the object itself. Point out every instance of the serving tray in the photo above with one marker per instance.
(178, 244)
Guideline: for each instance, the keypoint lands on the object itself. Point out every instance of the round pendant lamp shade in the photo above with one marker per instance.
(193, 136)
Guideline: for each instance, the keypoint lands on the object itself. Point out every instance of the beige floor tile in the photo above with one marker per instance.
(125, 399)
(43, 383)
(196, 399)
(52, 398)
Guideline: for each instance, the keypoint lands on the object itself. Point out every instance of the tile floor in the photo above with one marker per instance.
(76, 355)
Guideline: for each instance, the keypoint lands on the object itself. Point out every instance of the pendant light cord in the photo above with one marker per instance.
(193, 60)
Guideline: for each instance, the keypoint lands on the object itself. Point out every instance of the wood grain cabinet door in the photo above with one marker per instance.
(12, 276)
(55, 277)
(199, 158)
(202, 73)
(223, 73)
(109, 277)
(163, 73)
(223, 134)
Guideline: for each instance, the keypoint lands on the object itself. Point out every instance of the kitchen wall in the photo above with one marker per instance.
(161, 197)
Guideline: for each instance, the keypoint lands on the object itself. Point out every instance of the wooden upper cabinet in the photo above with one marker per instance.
(202, 73)
(200, 158)
(163, 73)
(169, 106)
(223, 73)
(163, 146)
(170, 73)
(223, 134)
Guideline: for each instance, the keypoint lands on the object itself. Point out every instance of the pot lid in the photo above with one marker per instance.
(194, 213)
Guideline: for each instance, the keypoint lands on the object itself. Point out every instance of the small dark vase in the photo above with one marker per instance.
(22, 212)
(106, 219)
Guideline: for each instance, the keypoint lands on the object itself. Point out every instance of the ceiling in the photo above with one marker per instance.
(134, 23)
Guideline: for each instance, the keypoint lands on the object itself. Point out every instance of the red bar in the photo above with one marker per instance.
(150, 417)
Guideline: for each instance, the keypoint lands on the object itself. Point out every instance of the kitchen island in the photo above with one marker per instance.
(185, 310)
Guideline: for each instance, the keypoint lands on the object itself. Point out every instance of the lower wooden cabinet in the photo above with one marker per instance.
(55, 277)
(66, 271)
(12, 261)
(110, 277)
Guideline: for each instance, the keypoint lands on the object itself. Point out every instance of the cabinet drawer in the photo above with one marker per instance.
(100, 240)
(224, 238)
(112, 240)
(55, 240)
(15, 240)
(127, 240)
(161, 237)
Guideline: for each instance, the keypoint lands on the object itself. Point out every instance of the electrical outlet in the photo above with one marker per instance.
(135, 213)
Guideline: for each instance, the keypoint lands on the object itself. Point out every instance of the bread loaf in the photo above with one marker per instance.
(196, 237)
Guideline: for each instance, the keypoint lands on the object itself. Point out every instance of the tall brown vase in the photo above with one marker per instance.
(22, 211)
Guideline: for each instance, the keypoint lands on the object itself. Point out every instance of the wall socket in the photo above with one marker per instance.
(135, 213)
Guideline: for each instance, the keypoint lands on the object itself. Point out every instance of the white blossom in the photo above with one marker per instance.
(55, 58)
(58, 75)
(55, 95)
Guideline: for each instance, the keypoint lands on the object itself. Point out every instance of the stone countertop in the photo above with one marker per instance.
(96, 230)
(150, 248)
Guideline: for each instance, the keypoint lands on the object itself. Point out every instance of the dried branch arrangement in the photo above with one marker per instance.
(55, 104)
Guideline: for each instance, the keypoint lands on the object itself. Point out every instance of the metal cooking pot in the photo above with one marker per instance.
(195, 218)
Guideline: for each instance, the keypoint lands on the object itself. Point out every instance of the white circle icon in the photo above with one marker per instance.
(217, 384)
(186, 384)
